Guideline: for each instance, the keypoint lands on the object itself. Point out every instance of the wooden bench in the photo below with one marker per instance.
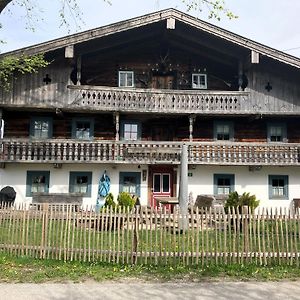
(58, 199)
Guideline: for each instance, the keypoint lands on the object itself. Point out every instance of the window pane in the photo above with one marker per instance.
(83, 130)
(38, 184)
(41, 129)
(130, 131)
(156, 183)
(223, 185)
(166, 183)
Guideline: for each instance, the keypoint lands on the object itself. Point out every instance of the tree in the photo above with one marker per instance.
(70, 8)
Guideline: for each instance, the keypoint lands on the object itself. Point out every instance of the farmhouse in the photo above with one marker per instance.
(123, 99)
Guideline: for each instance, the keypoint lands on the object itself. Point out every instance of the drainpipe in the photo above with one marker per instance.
(183, 188)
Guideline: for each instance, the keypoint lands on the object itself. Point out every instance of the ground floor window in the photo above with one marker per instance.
(278, 187)
(223, 184)
(37, 182)
(81, 183)
(130, 182)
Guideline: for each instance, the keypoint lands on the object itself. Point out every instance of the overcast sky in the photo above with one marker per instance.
(274, 23)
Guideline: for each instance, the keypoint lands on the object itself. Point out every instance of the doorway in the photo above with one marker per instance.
(162, 183)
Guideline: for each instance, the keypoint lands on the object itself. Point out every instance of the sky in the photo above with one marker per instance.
(274, 23)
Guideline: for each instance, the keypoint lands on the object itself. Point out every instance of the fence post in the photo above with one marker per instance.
(245, 231)
(45, 208)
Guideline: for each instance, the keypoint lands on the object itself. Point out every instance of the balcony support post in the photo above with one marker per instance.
(240, 75)
(78, 70)
(191, 126)
(117, 121)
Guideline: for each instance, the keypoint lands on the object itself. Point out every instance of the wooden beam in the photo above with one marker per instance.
(254, 57)
(69, 51)
(171, 23)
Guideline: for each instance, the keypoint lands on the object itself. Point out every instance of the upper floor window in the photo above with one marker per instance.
(83, 129)
(223, 184)
(199, 81)
(80, 183)
(126, 79)
(130, 131)
(41, 127)
(223, 131)
(277, 132)
(278, 187)
(37, 182)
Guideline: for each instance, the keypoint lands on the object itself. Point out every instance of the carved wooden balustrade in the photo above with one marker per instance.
(151, 100)
(72, 151)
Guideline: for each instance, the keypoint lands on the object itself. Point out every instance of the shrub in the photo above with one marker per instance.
(126, 200)
(238, 201)
(109, 201)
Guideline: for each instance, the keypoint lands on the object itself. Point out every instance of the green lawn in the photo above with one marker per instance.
(24, 269)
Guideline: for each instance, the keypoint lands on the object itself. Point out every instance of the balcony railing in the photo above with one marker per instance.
(72, 151)
(151, 100)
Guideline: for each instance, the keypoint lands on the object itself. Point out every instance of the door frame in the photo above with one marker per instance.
(169, 169)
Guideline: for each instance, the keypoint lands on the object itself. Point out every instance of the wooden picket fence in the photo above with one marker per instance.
(151, 236)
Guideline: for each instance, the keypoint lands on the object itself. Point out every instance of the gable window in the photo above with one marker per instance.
(130, 131)
(37, 182)
(81, 183)
(130, 182)
(223, 184)
(41, 127)
(83, 129)
(277, 132)
(199, 81)
(223, 131)
(126, 79)
(278, 186)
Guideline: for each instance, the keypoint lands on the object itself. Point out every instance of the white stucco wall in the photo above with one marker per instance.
(255, 182)
(201, 182)
(15, 175)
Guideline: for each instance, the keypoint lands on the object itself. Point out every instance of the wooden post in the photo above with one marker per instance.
(78, 70)
(240, 75)
(191, 126)
(117, 120)
(183, 188)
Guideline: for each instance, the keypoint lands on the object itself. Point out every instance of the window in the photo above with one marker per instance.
(130, 131)
(83, 129)
(199, 81)
(223, 184)
(277, 132)
(130, 182)
(223, 131)
(41, 127)
(126, 79)
(81, 183)
(37, 182)
(161, 183)
(278, 187)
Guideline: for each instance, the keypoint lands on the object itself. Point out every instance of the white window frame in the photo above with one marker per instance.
(126, 73)
(198, 85)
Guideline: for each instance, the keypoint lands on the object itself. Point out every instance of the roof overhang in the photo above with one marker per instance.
(145, 20)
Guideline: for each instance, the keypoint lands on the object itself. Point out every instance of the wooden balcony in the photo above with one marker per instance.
(157, 101)
(202, 153)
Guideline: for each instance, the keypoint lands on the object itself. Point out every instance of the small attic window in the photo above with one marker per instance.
(126, 79)
(199, 81)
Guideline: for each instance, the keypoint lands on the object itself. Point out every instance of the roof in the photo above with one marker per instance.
(153, 18)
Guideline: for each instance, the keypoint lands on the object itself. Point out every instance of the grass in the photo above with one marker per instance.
(23, 269)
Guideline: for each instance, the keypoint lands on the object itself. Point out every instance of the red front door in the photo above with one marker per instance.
(161, 183)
